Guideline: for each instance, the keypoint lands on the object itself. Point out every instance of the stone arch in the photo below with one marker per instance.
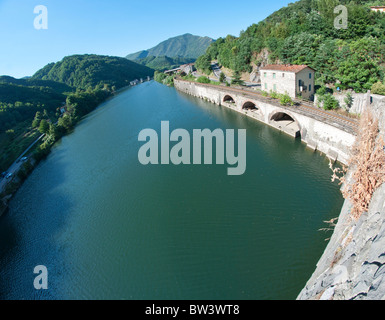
(252, 109)
(286, 122)
(229, 99)
(248, 105)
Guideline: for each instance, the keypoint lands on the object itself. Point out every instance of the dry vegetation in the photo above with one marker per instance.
(367, 163)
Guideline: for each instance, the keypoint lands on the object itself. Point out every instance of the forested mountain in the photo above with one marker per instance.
(186, 46)
(162, 63)
(29, 82)
(31, 106)
(20, 99)
(84, 71)
(304, 33)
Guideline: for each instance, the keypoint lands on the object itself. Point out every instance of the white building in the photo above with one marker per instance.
(295, 80)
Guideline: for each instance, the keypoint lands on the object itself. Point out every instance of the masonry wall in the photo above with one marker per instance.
(352, 266)
(333, 142)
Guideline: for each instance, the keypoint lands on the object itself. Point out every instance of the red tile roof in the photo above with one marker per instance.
(286, 67)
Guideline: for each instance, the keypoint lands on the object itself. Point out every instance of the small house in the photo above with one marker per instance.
(295, 80)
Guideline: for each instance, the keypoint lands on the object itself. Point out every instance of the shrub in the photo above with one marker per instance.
(321, 91)
(203, 79)
(285, 100)
(368, 158)
(348, 100)
(274, 95)
(378, 88)
(330, 103)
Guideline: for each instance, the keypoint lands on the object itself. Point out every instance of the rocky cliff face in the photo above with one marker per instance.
(353, 264)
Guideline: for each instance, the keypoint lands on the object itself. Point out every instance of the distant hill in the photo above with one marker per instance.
(162, 63)
(58, 87)
(185, 46)
(83, 71)
(13, 93)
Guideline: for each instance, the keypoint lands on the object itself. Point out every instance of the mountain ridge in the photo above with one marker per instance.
(186, 46)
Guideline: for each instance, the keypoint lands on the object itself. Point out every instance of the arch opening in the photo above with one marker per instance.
(249, 106)
(282, 116)
(229, 99)
(286, 123)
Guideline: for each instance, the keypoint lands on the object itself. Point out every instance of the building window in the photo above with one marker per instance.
(264, 74)
(273, 75)
(309, 87)
(309, 75)
(266, 86)
(275, 87)
(283, 75)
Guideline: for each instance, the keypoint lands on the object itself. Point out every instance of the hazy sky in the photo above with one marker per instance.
(113, 27)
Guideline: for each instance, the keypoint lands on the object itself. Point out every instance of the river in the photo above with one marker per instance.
(108, 227)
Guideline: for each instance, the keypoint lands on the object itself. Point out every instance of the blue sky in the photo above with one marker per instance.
(114, 27)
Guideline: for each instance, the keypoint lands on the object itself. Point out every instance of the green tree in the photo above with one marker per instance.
(203, 63)
(44, 126)
(236, 80)
(65, 123)
(37, 119)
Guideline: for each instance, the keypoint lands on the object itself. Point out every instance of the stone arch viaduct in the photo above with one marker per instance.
(331, 134)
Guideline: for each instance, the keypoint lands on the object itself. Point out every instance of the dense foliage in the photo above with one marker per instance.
(84, 71)
(164, 78)
(20, 102)
(78, 104)
(304, 33)
(29, 107)
(58, 87)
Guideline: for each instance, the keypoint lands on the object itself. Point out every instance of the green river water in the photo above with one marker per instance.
(108, 227)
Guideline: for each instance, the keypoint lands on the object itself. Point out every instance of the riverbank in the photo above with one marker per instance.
(352, 266)
(37, 153)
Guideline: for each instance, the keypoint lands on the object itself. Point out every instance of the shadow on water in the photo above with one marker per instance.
(22, 246)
